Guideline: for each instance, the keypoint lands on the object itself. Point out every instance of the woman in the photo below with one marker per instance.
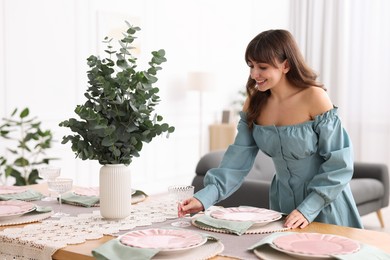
(289, 116)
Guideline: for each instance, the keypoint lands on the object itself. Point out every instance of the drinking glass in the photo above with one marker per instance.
(60, 185)
(49, 173)
(179, 194)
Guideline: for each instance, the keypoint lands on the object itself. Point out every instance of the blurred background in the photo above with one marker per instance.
(45, 43)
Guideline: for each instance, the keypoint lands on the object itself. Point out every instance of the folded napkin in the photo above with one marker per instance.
(79, 200)
(28, 195)
(235, 227)
(365, 252)
(40, 209)
(114, 249)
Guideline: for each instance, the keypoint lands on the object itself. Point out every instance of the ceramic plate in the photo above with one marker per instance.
(257, 215)
(14, 208)
(163, 239)
(86, 191)
(90, 191)
(315, 245)
(12, 189)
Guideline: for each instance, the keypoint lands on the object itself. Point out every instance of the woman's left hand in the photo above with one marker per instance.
(295, 219)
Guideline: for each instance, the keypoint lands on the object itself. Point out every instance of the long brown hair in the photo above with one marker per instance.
(270, 47)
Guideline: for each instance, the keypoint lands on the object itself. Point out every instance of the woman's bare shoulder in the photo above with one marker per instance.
(318, 100)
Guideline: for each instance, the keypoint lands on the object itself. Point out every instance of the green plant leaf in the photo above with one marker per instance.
(24, 113)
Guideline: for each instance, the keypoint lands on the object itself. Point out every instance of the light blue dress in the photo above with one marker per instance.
(313, 161)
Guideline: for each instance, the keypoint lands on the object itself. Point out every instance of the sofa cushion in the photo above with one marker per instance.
(263, 168)
(365, 189)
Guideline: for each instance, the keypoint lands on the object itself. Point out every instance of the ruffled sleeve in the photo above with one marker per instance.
(236, 163)
(335, 147)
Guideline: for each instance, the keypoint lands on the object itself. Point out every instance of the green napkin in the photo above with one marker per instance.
(236, 227)
(268, 239)
(365, 252)
(39, 209)
(89, 201)
(78, 200)
(114, 249)
(28, 195)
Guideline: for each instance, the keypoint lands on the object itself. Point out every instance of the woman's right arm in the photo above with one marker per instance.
(236, 163)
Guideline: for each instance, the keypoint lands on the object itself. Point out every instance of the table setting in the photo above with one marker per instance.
(89, 196)
(160, 243)
(287, 245)
(240, 220)
(278, 242)
(238, 232)
(81, 223)
(17, 206)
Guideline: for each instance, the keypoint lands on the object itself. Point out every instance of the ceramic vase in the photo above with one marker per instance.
(115, 191)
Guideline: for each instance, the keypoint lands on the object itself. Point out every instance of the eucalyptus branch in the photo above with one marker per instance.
(102, 136)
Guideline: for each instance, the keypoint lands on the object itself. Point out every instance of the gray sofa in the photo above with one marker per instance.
(369, 185)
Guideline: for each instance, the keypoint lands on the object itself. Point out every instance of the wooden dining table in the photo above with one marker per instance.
(83, 251)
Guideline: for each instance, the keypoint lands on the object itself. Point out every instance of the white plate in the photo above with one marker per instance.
(14, 208)
(259, 216)
(315, 245)
(163, 239)
(12, 189)
(91, 191)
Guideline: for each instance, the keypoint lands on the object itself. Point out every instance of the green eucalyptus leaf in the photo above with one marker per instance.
(24, 113)
(14, 112)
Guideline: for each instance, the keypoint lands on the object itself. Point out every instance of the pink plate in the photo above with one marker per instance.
(257, 215)
(316, 245)
(13, 208)
(12, 189)
(163, 239)
(87, 191)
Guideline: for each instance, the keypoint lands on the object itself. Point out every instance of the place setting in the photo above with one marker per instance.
(240, 220)
(160, 243)
(14, 212)
(89, 196)
(284, 245)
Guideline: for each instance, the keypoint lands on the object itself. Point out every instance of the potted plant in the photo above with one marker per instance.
(117, 119)
(28, 144)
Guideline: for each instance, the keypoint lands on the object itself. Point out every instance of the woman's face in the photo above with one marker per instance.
(266, 75)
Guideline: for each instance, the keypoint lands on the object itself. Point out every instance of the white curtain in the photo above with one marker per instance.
(347, 42)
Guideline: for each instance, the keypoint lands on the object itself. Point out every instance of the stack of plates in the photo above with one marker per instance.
(259, 216)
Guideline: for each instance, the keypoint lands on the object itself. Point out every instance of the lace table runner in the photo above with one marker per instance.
(41, 240)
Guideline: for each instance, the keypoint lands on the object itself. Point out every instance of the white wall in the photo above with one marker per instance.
(44, 48)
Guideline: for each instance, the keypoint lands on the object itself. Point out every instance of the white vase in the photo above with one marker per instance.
(115, 191)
